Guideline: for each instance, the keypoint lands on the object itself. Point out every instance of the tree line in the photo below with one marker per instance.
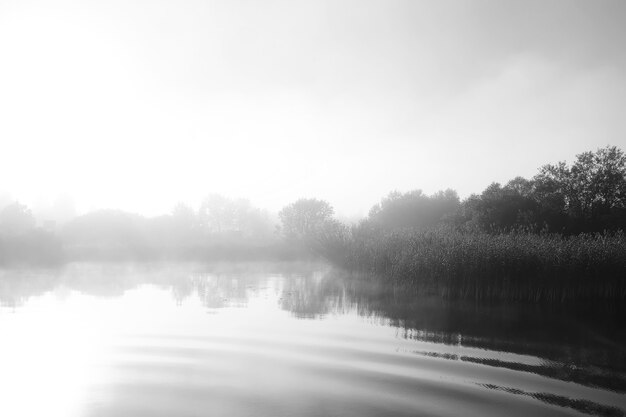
(557, 237)
(586, 196)
(219, 227)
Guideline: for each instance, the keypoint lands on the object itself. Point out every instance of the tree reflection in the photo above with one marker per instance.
(568, 336)
(573, 337)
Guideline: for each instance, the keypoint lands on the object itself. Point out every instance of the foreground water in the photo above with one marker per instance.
(289, 340)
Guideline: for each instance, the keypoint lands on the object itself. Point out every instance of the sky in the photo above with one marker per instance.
(138, 104)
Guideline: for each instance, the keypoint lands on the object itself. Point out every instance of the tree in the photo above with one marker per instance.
(180, 228)
(305, 218)
(414, 209)
(106, 227)
(219, 214)
(591, 192)
(184, 217)
(520, 186)
(505, 208)
(598, 181)
(16, 218)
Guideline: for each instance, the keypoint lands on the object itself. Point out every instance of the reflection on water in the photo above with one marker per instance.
(290, 339)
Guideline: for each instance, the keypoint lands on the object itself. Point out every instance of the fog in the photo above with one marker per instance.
(137, 106)
(312, 208)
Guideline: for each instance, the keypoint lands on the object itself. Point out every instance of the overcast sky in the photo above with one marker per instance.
(138, 104)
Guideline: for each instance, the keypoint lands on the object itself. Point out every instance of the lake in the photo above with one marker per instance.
(290, 339)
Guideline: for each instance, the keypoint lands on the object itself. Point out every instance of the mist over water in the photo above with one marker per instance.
(289, 339)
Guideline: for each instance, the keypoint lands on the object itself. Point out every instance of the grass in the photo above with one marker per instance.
(509, 266)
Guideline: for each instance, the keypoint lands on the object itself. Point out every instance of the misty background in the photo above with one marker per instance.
(120, 105)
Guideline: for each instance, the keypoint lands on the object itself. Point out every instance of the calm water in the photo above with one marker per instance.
(289, 340)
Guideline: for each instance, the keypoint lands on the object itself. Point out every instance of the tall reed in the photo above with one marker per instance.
(482, 266)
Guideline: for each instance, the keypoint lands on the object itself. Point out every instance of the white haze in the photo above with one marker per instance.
(140, 104)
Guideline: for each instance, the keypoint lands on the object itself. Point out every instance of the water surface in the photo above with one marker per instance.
(290, 340)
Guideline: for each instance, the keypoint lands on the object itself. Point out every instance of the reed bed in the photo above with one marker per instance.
(508, 266)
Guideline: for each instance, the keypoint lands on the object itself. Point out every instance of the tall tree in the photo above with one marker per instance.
(305, 218)
(593, 188)
(217, 214)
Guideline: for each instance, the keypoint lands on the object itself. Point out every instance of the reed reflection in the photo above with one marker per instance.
(571, 345)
